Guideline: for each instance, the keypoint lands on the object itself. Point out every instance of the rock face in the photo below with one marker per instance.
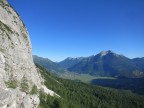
(15, 47)
(17, 70)
(17, 99)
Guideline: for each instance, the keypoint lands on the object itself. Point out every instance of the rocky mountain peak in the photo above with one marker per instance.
(104, 53)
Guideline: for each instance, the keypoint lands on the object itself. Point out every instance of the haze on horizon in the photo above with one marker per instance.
(60, 28)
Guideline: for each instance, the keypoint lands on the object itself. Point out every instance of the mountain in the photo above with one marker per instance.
(48, 64)
(24, 85)
(107, 63)
(19, 79)
(69, 62)
(139, 62)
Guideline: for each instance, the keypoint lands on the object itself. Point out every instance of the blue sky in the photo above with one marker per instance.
(73, 28)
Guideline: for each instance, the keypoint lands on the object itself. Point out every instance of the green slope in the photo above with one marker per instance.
(48, 64)
(80, 95)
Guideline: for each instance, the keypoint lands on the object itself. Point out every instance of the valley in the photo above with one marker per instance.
(103, 64)
(86, 78)
(132, 80)
(61, 29)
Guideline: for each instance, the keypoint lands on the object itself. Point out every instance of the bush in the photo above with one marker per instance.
(11, 84)
(34, 90)
(24, 85)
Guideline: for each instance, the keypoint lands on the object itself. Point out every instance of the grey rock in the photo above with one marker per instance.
(16, 61)
(15, 47)
(17, 99)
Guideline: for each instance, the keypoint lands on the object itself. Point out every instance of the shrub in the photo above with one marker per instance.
(11, 84)
(34, 90)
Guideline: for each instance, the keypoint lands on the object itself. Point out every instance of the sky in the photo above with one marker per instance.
(73, 28)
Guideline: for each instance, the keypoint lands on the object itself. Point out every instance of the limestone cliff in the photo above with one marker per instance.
(17, 71)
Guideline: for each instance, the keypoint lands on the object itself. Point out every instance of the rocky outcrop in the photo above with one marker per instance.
(15, 47)
(18, 74)
(17, 99)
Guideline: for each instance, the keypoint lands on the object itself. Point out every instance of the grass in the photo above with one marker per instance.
(34, 90)
(24, 85)
(11, 84)
(6, 29)
(86, 78)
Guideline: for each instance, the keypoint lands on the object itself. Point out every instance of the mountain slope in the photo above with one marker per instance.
(69, 62)
(80, 95)
(139, 63)
(48, 64)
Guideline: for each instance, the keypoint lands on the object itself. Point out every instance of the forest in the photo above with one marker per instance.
(74, 94)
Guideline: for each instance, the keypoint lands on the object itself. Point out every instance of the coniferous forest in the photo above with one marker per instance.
(74, 94)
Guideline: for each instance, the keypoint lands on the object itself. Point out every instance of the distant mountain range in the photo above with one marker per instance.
(69, 62)
(106, 63)
(48, 64)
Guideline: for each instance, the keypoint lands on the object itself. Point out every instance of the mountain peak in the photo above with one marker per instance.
(104, 53)
(69, 58)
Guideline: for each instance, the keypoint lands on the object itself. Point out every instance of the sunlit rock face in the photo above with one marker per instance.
(16, 63)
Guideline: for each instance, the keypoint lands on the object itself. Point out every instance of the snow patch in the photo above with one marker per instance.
(103, 53)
